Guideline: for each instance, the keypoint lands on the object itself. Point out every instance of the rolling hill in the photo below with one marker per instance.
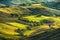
(25, 22)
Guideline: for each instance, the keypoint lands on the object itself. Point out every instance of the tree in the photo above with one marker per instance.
(47, 21)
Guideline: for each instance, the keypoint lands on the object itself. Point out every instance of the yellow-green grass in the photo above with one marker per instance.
(8, 29)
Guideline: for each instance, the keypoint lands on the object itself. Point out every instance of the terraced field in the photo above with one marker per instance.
(29, 23)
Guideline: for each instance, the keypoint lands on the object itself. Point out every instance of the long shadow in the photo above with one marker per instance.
(51, 35)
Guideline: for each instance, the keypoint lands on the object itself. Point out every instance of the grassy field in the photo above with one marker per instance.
(21, 23)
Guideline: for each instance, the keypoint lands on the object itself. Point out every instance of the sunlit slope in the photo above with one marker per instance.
(13, 10)
(11, 13)
(9, 28)
(40, 9)
(36, 24)
(7, 31)
(24, 20)
(24, 9)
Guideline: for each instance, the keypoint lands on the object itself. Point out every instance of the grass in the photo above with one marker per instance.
(8, 29)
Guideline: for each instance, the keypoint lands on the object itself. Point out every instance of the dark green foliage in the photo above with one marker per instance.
(47, 21)
(13, 15)
(25, 4)
(20, 32)
(29, 27)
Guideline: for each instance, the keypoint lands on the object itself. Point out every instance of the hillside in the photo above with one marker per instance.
(51, 35)
(23, 22)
